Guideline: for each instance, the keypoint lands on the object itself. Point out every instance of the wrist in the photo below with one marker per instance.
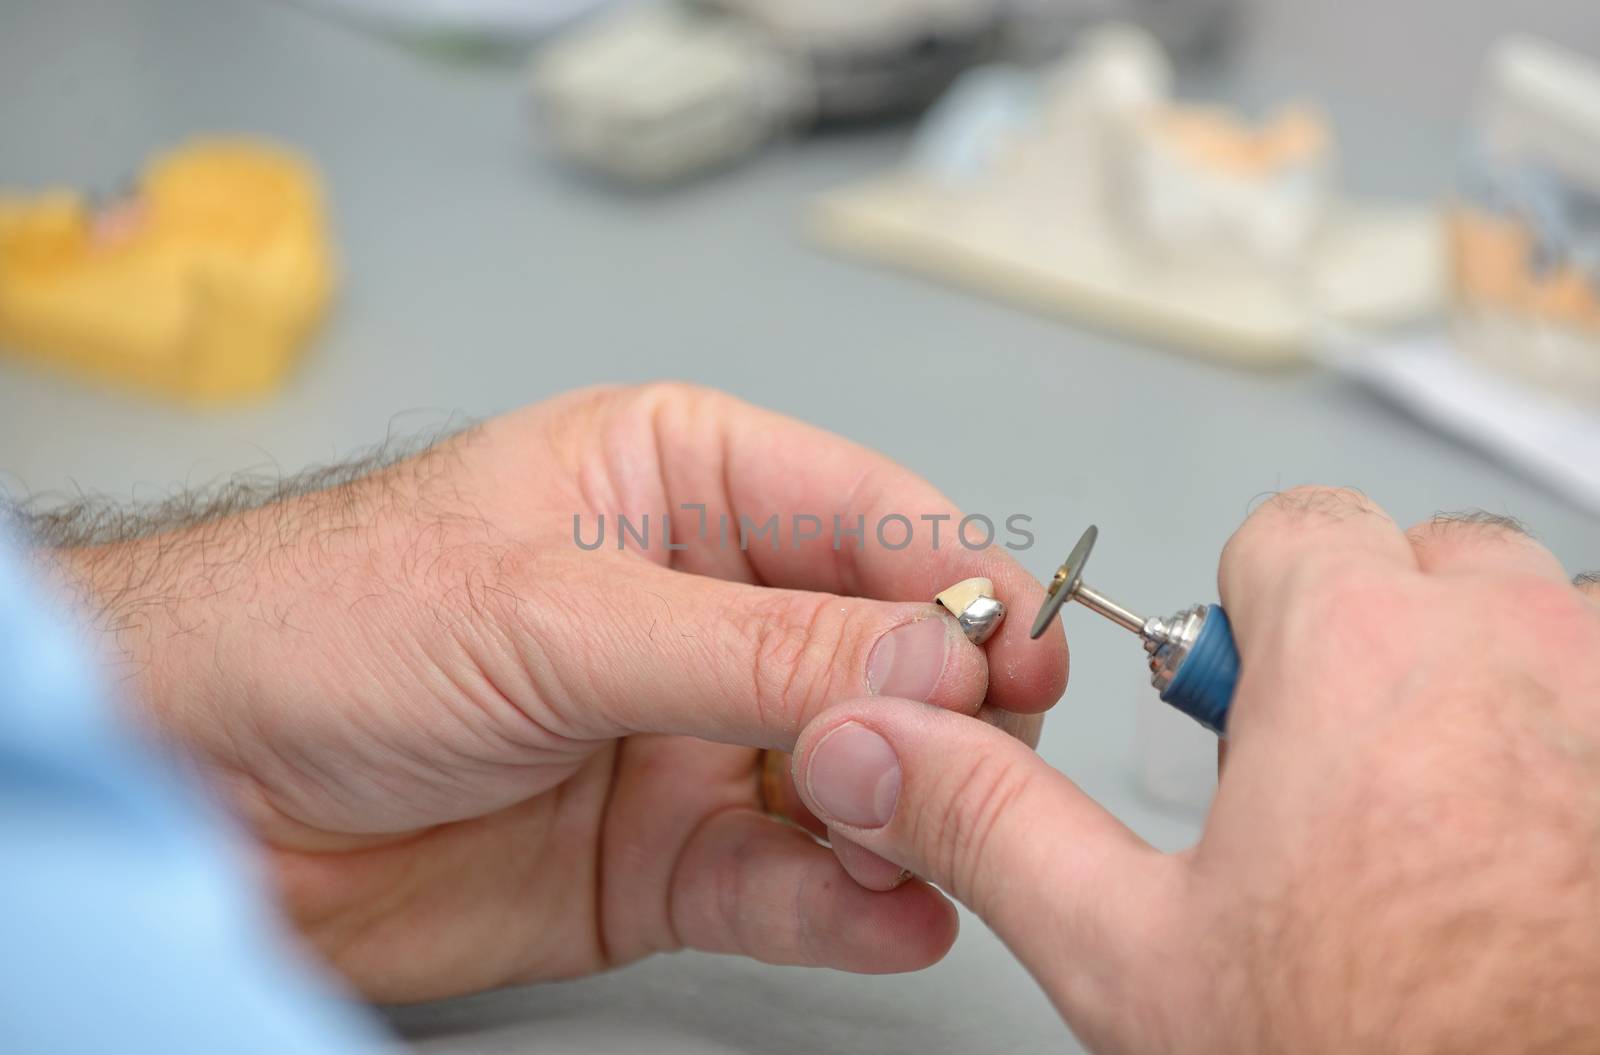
(132, 601)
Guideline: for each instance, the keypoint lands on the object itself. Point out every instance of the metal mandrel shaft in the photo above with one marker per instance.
(1094, 600)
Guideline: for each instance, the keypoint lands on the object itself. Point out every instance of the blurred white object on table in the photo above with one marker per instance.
(1202, 185)
(597, 88)
(655, 93)
(1552, 440)
(1525, 225)
(1090, 192)
(663, 91)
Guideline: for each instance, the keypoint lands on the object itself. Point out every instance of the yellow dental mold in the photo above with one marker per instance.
(202, 285)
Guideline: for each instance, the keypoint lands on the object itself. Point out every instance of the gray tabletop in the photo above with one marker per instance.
(480, 276)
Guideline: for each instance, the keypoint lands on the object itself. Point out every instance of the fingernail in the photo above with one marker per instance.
(908, 660)
(854, 776)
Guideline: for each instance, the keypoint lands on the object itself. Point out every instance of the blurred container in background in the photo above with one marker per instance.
(657, 92)
(660, 93)
(1525, 226)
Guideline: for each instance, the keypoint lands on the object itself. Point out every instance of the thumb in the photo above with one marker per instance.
(1084, 903)
(691, 655)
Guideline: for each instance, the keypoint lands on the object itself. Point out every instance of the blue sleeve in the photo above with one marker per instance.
(128, 921)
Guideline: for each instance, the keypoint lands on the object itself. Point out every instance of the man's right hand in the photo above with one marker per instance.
(1404, 851)
(479, 751)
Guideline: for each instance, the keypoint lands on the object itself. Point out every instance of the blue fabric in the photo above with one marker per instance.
(128, 920)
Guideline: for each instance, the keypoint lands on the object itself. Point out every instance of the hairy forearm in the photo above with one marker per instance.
(150, 581)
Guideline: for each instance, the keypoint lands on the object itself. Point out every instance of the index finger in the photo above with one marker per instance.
(849, 521)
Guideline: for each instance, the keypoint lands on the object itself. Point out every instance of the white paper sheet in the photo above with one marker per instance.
(1551, 439)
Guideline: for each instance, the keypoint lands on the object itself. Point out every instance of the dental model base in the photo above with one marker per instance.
(1194, 663)
(1091, 192)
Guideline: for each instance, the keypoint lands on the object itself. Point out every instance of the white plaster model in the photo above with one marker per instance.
(1190, 180)
(1200, 183)
(1089, 191)
(1525, 226)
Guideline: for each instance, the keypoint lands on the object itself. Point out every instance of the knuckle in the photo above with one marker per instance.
(793, 643)
(684, 395)
(1299, 509)
(585, 405)
(1311, 503)
(734, 876)
(1588, 587)
(981, 798)
(1466, 524)
(707, 912)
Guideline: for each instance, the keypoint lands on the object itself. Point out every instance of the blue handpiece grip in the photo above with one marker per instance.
(1203, 686)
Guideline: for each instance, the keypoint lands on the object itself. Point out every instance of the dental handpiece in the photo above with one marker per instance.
(1194, 663)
